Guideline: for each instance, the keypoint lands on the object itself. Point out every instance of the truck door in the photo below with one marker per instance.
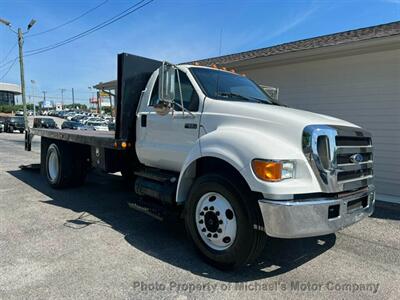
(165, 141)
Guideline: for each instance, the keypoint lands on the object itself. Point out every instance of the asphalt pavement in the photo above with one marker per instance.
(85, 243)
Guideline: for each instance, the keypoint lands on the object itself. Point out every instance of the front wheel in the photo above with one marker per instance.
(223, 221)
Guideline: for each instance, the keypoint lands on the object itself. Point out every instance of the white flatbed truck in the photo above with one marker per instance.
(212, 145)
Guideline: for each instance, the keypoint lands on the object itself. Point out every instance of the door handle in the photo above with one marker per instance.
(190, 125)
(143, 120)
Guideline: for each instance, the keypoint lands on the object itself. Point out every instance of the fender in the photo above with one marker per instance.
(238, 147)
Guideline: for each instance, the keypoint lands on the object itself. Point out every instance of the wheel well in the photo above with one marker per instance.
(206, 165)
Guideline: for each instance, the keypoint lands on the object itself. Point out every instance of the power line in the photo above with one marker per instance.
(9, 69)
(9, 52)
(70, 21)
(91, 30)
(8, 62)
(117, 17)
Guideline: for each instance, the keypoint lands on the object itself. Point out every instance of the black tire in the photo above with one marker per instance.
(72, 170)
(249, 241)
(21, 131)
(10, 129)
(129, 177)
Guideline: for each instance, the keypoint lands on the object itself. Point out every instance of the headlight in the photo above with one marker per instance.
(269, 170)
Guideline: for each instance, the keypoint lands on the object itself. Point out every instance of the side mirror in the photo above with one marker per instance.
(166, 86)
(273, 92)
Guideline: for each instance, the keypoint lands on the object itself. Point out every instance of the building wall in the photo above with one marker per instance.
(363, 89)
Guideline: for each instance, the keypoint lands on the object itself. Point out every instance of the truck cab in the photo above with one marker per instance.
(311, 173)
(215, 147)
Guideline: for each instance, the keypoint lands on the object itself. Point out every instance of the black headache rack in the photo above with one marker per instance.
(133, 74)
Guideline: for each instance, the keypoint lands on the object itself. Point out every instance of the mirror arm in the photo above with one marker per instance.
(180, 91)
(184, 109)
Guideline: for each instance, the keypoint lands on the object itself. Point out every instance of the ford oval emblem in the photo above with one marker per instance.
(356, 158)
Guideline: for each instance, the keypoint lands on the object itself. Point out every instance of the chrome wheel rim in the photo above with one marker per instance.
(53, 166)
(216, 221)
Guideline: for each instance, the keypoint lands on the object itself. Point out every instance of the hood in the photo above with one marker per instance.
(273, 114)
(281, 123)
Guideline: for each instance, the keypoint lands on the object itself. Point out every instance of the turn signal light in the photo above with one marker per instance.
(273, 170)
(267, 170)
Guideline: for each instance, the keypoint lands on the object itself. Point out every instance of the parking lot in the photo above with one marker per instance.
(86, 243)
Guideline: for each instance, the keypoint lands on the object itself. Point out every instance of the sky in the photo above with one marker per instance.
(176, 31)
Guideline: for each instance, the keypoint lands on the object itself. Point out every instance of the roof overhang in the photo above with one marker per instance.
(9, 87)
(360, 47)
(109, 85)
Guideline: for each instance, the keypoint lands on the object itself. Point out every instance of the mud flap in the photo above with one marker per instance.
(28, 140)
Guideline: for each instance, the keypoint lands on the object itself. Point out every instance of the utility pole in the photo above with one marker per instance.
(111, 106)
(62, 97)
(21, 67)
(20, 35)
(33, 96)
(98, 102)
(44, 96)
(73, 96)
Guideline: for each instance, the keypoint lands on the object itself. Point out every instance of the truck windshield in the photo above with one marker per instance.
(224, 85)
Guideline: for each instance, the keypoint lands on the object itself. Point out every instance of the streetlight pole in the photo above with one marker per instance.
(21, 61)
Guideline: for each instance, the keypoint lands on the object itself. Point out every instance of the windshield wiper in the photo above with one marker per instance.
(249, 98)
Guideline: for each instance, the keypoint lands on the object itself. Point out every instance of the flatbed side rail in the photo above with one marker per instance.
(92, 138)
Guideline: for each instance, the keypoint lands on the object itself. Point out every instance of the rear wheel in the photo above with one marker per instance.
(224, 221)
(10, 129)
(63, 168)
(21, 131)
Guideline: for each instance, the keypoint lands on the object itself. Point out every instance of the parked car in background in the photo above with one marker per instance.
(92, 119)
(111, 126)
(99, 126)
(70, 115)
(19, 113)
(73, 125)
(14, 123)
(77, 118)
(44, 123)
(84, 119)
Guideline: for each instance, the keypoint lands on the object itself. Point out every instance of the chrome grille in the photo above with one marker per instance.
(341, 157)
(353, 173)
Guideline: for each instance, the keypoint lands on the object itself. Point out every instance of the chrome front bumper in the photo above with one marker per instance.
(313, 217)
